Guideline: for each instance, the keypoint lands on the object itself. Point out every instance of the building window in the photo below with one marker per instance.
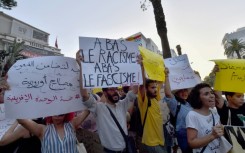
(40, 36)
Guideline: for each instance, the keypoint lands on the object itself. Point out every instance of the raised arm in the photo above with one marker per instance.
(14, 133)
(33, 127)
(77, 121)
(10, 135)
(167, 88)
(219, 101)
(84, 92)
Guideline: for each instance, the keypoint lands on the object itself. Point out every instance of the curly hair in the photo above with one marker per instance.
(194, 97)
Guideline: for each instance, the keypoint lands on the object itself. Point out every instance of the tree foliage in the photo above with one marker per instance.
(15, 50)
(160, 24)
(8, 4)
(234, 46)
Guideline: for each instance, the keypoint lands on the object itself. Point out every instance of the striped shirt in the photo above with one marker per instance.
(51, 142)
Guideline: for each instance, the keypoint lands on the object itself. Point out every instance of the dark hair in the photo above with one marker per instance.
(229, 94)
(182, 101)
(148, 82)
(104, 89)
(194, 97)
(100, 94)
(125, 89)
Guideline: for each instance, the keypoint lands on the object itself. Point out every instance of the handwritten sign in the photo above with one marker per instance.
(43, 86)
(109, 63)
(231, 75)
(181, 74)
(5, 124)
(153, 64)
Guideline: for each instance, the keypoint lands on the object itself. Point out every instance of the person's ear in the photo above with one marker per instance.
(228, 97)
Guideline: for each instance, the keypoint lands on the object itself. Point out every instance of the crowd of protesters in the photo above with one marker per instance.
(199, 114)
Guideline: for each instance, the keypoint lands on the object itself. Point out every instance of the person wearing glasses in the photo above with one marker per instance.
(110, 136)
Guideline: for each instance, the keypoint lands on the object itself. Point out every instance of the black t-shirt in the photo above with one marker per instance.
(223, 113)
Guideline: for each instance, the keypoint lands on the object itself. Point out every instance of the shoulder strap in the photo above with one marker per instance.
(148, 105)
(213, 125)
(177, 112)
(229, 117)
(213, 118)
(118, 125)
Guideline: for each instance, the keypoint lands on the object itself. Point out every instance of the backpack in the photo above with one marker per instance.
(171, 123)
(135, 122)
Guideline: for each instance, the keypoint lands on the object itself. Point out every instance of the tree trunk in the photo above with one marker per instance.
(161, 27)
(238, 55)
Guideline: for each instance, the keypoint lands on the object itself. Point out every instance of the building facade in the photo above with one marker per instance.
(238, 34)
(143, 41)
(36, 41)
(147, 43)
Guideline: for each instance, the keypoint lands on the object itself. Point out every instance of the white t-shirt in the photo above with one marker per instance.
(204, 125)
(109, 133)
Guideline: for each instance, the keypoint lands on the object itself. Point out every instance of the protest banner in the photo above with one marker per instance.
(231, 75)
(236, 137)
(43, 86)
(109, 63)
(181, 74)
(153, 64)
(5, 124)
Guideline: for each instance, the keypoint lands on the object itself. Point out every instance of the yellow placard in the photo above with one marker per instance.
(96, 90)
(231, 75)
(153, 64)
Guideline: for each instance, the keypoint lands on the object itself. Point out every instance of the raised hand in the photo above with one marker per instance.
(79, 57)
(218, 131)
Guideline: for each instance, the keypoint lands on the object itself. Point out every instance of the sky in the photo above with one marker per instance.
(198, 26)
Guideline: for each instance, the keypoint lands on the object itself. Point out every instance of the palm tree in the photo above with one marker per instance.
(14, 50)
(160, 25)
(234, 46)
(8, 4)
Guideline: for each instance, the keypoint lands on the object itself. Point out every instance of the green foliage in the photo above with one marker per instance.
(234, 46)
(8, 4)
(209, 80)
(15, 49)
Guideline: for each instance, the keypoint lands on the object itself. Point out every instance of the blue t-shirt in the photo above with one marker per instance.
(184, 110)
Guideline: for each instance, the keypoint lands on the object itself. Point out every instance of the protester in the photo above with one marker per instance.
(151, 117)
(109, 133)
(204, 131)
(59, 133)
(89, 123)
(231, 110)
(179, 108)
(20, 140)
